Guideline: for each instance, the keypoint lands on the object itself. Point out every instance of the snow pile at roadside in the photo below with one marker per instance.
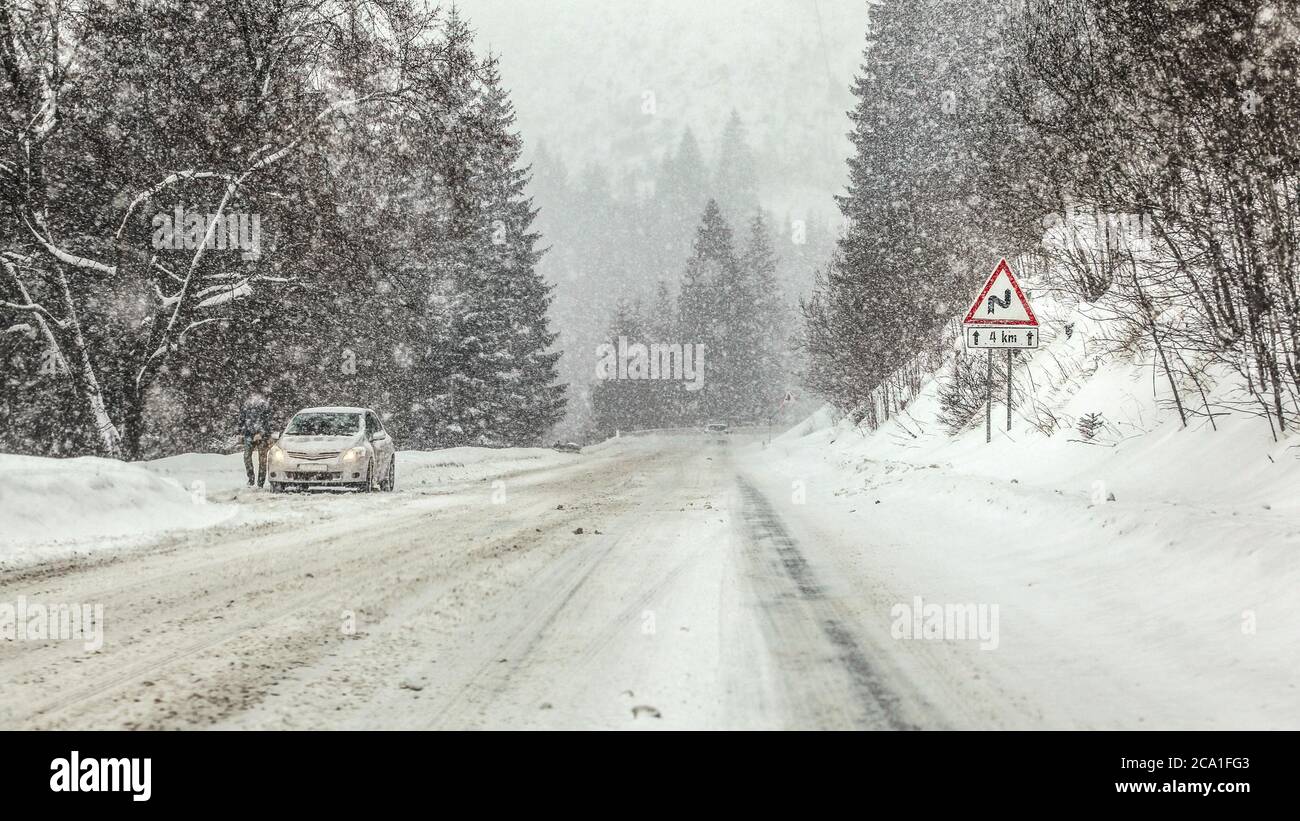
(1158, 559)
(53, 508)
(1140, 451)
(202, 472)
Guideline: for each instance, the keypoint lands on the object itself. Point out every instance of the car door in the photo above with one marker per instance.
(382, 444)
(389, 444)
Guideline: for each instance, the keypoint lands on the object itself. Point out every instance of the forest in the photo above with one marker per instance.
(329, 201)
(1140, 158)
(315, 201)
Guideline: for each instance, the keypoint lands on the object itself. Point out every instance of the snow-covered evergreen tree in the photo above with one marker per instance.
(493, 364)
(918, 235)
(767, 326)
(704, 314)
(529, 401)
(618, 401)
(735, 183)
(666, 397)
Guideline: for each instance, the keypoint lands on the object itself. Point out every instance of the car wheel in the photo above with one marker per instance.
(366, 486)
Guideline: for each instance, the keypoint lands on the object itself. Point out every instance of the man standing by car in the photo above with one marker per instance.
(255, 428)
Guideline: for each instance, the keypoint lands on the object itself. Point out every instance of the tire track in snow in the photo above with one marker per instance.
(766, 530)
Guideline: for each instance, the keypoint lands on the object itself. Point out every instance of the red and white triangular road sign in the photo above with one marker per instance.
(1001, 302)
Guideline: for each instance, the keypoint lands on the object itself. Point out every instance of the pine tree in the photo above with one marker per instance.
(680, 194)
(705, 317)
(665, 400)
(917, 236)
(530, 401)
(463, 338)
(618, 403)
(735, 180)
(497, 372)
(768, 327)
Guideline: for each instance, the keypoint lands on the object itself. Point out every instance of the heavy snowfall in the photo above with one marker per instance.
(580, 364)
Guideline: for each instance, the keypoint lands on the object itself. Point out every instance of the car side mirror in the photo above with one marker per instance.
(378, 436)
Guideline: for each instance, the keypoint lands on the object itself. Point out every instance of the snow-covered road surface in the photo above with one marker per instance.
(683, 603)
(701, 592)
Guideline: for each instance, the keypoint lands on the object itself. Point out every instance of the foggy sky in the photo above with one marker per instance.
(580, 72)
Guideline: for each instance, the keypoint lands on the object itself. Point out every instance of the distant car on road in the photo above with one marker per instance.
(717, 427)
(567, 447)
(334, 447)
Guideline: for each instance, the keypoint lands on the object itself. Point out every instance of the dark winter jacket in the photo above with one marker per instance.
(255, 417)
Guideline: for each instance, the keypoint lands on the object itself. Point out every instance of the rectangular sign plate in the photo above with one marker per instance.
(986, 337)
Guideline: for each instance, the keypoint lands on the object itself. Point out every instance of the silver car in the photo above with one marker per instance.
(334, 447)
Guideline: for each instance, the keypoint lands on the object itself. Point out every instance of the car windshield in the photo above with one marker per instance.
(324, 424)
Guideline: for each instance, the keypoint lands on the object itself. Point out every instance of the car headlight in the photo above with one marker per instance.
(277, 455)
(353, 454)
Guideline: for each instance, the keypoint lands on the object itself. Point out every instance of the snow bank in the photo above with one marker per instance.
(58, 507)
(54, 508)
(202, 472)
(1141, 453)
(1163, 556)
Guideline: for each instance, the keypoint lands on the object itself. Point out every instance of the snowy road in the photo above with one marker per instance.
(701, 592)
(685, 602)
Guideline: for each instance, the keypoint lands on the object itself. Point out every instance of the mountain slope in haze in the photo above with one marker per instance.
(616, 83)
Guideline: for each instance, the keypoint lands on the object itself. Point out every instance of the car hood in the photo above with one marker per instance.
(320, 444)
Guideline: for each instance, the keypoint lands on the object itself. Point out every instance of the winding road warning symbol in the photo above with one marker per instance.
(1001, 302)
(1001, 317)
